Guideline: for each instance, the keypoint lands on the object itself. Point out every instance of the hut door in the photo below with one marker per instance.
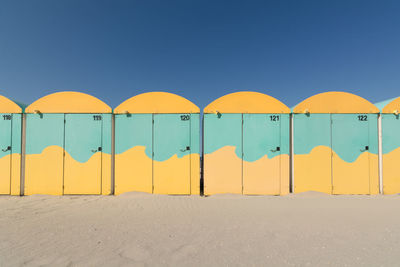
(350, 157)
(82, 159)
(5, 152)
(261, 154)
(44, 151)
(171, 156)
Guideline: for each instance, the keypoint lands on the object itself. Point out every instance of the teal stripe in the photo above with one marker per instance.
(390, 132)
(83, 134)
(222, 130)
(262, 134)
(44, 130)
(133, 130)
(173, 133)
(171, 136)
(350, 135)
(5, 134)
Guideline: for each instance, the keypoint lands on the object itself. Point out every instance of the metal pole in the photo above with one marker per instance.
(291, 181)
(23, 144)
(380, 153)
(112, 154)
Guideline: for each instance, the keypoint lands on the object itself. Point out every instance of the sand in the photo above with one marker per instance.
(138, 229)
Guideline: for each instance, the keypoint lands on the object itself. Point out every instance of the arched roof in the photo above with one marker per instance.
(392, 107)
(335, 102)
(157, 102)
(246, 102)
(9, 106)
(68, 102)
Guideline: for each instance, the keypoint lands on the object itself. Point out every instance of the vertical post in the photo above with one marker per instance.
(202, 156)
(380, 153)
(23, 145)
(291, 156)
(112, 154)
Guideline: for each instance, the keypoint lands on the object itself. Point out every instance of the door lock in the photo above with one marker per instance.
(277, 149)
(6, 149)
(365, 149)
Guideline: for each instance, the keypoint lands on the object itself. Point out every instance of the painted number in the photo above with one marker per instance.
(185, 117)
(97, 117)
(6, 117)
(274, 117)
(362, 117)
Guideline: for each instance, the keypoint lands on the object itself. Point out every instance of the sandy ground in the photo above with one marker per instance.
(137, 229)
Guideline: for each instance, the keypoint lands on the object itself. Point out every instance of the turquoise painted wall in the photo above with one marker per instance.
(256, 135)
(44, 130)
(390, 132)
(16, 145)
(79, 132)
(348, 132)
(171, 132)
(222, 130)
(6, 122)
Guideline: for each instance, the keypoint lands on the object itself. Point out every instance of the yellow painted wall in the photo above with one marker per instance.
(106, 174)
(133, 171)
(5, 170)
(82, 178)
(391, 179)
(246, 102)
(266, 176)
(358, 177)
(195, 173)
(335, 102)
(312, 172)
(68, 102)
(156, 102)
(171, 176)
(223, 174)
(44, 172)
(15, 174)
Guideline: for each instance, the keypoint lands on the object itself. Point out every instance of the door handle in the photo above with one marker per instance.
(277, 149)
(186, 149)
(6, 149)
(98, 149)
(365, 149)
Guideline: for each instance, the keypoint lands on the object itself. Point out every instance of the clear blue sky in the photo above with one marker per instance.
(199, 49)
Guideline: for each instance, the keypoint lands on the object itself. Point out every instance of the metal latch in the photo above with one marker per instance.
(277, 149)
(98, 149)
(186, 149)
(6, 149)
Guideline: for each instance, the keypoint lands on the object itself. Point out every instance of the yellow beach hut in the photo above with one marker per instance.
(391, 147)
(335, 142)
(246, 145)
(157, 145)
(10, 146)
(68, 145)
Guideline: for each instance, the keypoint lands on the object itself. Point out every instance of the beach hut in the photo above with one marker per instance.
(335, 139)
(68, 145)
(10, 146)
(390, 129)
(246, 145)
(157, 145)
